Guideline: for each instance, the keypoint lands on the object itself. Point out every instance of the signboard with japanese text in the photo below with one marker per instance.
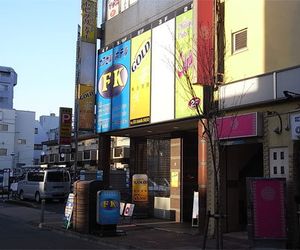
(89, 21)
(86, 103)
(140, 188)
(295, 126)
(140, 79)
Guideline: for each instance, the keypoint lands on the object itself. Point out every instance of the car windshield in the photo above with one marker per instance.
(58, 176)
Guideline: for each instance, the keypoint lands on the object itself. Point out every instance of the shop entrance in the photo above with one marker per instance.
(237, 163)
(190, 174)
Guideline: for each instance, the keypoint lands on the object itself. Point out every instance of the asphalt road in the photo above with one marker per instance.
(16, 233)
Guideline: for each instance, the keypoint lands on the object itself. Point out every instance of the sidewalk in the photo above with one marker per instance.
(137, 234)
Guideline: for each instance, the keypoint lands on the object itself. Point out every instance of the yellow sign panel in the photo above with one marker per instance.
(89, 21)
(86, 102)
(140, 79)
(175, 179)
(140, 188)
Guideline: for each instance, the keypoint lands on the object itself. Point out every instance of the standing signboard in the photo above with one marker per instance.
(69, 210)
(108, 207)
(140, 188)
(267, 211)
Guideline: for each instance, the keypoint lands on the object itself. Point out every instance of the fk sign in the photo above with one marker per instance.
(65, 125)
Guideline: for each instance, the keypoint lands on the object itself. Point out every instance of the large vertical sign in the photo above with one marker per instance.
(140, 79)
(65, 125)
(104, 90)
(86, 102)
(89, 21)
(267, 204)
(162, 74)
(188, 94)
(120, 86)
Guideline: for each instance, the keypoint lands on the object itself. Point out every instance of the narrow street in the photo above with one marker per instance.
(17, 232)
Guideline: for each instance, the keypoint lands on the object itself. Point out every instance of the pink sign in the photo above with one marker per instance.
(245, 125)
(269, 209)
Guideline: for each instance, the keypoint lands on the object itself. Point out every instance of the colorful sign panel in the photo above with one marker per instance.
(112, 8)
(108, 207)
(186, 89)
(120, 86)
(86, 101)
(295, 126)
(140, 79)
(65, 125)
(162, 73)
(69, 210)
(268, 208)
(246, 125)
(89, 21)
(103, 94)
(140, 188)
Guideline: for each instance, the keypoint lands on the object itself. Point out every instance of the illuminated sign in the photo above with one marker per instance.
(108, 207)
(65, 125)
(140, 188)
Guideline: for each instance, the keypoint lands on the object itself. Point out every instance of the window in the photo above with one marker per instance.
(62, 157)
(21, 141)
(36, 131)
(52, 156)
(72, 156)
(3, 87)
(4, 73)
(3, 127)
(38, 147)
(86, 154)
(3, 99)
(3, 151)
(36, 176)
(59, 176)
(239, 41)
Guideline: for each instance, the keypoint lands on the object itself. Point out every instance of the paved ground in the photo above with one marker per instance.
(139, 234)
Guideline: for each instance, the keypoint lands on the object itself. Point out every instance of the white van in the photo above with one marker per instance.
(45, 184)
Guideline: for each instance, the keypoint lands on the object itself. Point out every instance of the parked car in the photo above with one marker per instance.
(44, 184)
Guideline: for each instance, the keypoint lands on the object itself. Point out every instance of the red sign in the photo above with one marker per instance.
(246, 125)
(65, 125)
(268, 196)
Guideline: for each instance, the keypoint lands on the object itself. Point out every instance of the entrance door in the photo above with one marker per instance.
(190, 174)
(237, 163)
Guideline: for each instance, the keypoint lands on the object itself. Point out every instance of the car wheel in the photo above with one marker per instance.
(21, 195)
(37, 197)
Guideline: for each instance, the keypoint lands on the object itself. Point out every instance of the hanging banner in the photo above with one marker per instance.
(86, 101)
(140, 188)
(65, 125)
(188, 95)
(104, 91)
(120, 86)
(140, 79)
(89, 21)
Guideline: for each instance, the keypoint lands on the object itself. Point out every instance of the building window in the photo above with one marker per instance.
(3, 100)
(3, 151)
(4, 74)
(62, 157)
(72, 156)
(86, 155)
(3, 127)
(38, 147)
(52, 156)
(3, 87)
(36, 131)
(21, 141)
(239, 41)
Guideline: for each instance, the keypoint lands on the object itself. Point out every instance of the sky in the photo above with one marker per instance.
(38, 40)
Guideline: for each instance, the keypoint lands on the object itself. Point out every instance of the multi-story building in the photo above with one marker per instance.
(142, 43)
(8, 79)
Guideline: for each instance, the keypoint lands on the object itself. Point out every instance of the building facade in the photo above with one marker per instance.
(8, 79)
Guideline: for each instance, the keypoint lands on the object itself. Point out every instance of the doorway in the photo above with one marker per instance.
(238, 162)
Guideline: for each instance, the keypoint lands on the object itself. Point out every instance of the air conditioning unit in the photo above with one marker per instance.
(120, 152)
